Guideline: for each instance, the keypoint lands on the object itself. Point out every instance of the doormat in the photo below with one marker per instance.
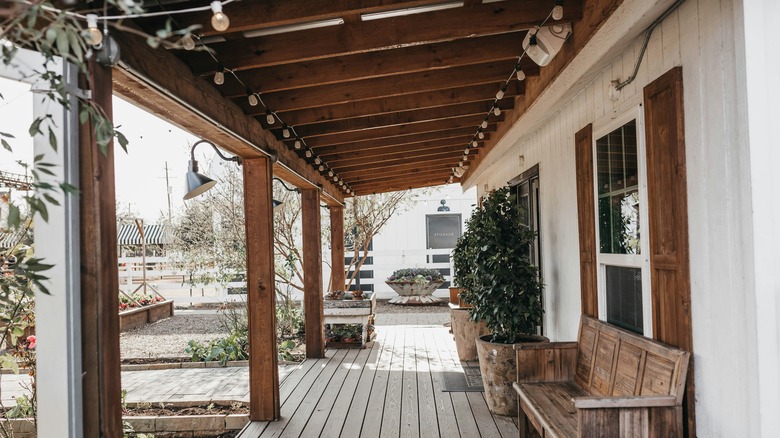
(470, 380)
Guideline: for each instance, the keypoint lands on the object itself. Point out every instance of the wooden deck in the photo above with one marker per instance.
(392, 389)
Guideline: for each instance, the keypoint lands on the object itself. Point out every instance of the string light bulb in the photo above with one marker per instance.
(480, 134)
(317, 160)
(466, 151)
(484, 124)
(187, 42)
(298, 144)
(93, 35)
(520, 73)
(330, 173)
(251, 97)
(219, 76)
(308, 153)
(335, 178)
(322, 168)
(533, 46)
(501, 93)
(474, 143)
(219, 21)
(269, 117)
(557, 12)
(286, 131)
(496, 111)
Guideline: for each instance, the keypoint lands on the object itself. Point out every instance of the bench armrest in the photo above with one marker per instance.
(545, 346)
(546, 361)
(625, 402)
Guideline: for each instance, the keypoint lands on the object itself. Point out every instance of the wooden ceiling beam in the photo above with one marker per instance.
(387, 105)
(395, 119)
(437, 176)
(368, 36)
(399, 172)
(450, 157)
(376, 88)
(395, 187)
(413, 147)
(156, 80)
(251, 15)
(323, 143)
(505, 47)
(404, 130)
(408, 156)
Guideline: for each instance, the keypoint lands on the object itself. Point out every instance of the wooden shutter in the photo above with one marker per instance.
(586, 213)
(668, 216)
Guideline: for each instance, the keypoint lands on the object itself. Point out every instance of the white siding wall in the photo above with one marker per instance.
(701, 37)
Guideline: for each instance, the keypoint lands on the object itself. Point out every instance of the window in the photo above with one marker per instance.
(623, 268)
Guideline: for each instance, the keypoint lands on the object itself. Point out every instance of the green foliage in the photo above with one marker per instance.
(25, 408)
(343, 332)
(417, 275)
(493, 267)
(233, 347)
(285, 350)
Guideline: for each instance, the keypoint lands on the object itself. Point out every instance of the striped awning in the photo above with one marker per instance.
(155, 235)
(9, 239)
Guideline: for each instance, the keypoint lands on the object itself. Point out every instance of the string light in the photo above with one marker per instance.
(285, 131)
(484, 124)
(330, 173)
(269, 117)
(520, 73)
(474, 143)
(308, 153)
(466, 151)
(496, 111)
(219, 21)
(533, 46)
(317, 160)
(480, 134)
(187, 42)
(322, 168)
(93, 35)
(501, 93)
(557, 12)
(297, 144)
(251, 97)
(219, 76)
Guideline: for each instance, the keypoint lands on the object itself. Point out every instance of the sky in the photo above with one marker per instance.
(140, 172)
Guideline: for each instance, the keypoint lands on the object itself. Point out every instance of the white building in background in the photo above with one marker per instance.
(421, 237)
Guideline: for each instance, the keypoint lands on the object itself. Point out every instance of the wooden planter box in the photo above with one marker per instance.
(138, 316)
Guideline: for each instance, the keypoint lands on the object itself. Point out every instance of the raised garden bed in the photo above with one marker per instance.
(137, 316)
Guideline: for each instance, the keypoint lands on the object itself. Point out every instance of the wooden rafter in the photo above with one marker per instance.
(421, 140)
(393, 150)
(417, 156)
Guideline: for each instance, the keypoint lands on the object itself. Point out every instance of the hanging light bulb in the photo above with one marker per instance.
(335, 178)
(187, 42)
(474, 144)
(460, 163)
(308, 153)
(297, 144)
(341, 183)
(496, 111)
(219, 76)
(330, 173)
(481, 134)
(219, 21)
(466, 151)
(269, 117)
(286, 131)
(501, 93)
(317, 160)
(557, 12)
(533, 46)
(520, 73)
(251, 97)
(93, 35)
(322, 168)
(484, 124)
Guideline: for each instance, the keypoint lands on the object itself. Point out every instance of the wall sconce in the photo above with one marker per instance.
(197, 183)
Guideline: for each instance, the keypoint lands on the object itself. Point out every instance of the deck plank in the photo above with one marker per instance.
(372, 423)
(410, 403)
(391, 417)
(428, 420)
(467, 425)
(482, 416)
(448, 425)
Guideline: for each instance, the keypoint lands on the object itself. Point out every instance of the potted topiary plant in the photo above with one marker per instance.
(464, 328)
(504, 289)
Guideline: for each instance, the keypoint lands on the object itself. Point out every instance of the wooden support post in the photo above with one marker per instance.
(312, 273)
(337, 274)
(102, 411)
(261, 295)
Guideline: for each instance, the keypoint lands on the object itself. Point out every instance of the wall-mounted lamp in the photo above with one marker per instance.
(197, 183)
(286, 187)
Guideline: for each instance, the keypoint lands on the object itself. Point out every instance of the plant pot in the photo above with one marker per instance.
(410, 292)
(465, 330)
(455, 295)
(498, 365)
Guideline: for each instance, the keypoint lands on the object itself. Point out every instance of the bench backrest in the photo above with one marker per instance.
(615, 362)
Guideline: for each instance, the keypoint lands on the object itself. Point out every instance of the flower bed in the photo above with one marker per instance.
(138, 316)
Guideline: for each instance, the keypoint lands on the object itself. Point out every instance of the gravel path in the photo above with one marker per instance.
(169, 337)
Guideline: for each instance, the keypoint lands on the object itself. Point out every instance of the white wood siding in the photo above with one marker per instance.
(703, 37)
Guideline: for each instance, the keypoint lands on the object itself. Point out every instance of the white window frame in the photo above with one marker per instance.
(641, 260)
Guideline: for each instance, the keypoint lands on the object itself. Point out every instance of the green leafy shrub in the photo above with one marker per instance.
(234, 347)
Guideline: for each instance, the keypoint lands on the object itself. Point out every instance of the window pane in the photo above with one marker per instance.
(618, 191)
(624, 298)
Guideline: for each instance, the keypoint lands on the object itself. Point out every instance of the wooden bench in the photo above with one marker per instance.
(609, 383)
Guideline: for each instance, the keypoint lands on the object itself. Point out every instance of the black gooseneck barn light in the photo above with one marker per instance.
(198, 183)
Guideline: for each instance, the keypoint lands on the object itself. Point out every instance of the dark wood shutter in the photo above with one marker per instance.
(586, 213)
(668, 216)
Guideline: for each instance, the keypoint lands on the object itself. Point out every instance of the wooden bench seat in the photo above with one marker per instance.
(609, 383)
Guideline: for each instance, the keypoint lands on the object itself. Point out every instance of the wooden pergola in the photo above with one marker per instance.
(384, 105)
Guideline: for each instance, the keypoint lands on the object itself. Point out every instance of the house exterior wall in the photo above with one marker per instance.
(702, 36)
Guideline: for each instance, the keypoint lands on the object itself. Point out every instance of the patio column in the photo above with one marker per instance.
(102, 411)
(312, 273)
(337, 274)
(261, 294)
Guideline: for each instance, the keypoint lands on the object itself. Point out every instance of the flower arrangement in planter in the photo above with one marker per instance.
(335, 295)
(137, 300)
(415, 285)
(495, 271)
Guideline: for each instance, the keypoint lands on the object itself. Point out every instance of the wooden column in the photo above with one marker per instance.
(337, 274)
(312, 273)
(102, 411)
(261, 295)
(586, 219)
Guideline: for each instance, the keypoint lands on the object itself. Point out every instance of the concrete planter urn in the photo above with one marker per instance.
(415, 285)
(465, 330)
(498, 366)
